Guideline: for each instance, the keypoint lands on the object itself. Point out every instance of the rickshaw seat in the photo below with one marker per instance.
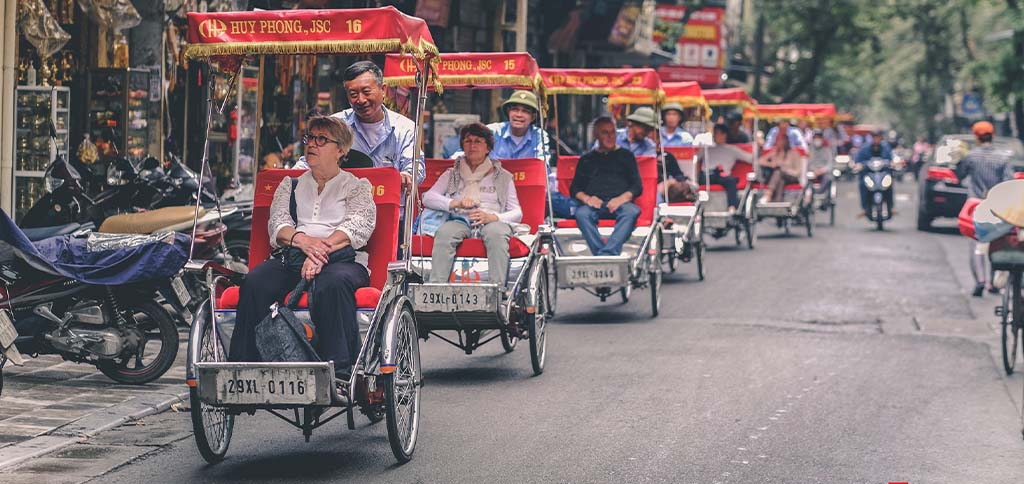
(571, 223)
(366, 298)
(682, 204)
(423, 246)
(383, 243)
(530, 178)
(647, 200)
(739, 172)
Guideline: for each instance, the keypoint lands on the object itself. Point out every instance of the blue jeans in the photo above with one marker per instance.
(625, 221)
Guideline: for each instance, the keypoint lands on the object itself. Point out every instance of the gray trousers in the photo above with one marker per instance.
(495, 235)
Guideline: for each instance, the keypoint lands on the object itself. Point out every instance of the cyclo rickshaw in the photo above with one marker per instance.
(468, 303)
(798, 205)
(742, 223)
(825, 200)
(639, 264)
(683, 237)
(386, 377)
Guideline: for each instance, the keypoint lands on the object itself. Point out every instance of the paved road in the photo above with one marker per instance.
(854, 357)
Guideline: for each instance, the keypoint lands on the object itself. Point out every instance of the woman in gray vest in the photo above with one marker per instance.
(474, 198)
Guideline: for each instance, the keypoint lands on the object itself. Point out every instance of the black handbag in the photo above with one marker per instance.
(281, 337)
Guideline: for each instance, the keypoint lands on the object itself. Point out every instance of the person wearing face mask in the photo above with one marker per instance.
(821, 161)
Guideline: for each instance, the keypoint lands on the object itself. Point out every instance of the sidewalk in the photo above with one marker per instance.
(50, 404)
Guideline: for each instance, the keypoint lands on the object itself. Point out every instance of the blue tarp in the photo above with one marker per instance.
(102, 259)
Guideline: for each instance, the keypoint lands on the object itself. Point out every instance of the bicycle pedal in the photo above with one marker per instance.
(999, 310)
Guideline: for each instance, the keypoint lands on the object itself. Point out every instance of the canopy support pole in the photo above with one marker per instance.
(422, 68)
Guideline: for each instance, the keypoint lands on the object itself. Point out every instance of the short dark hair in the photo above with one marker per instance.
(601, 120)
(721, 127)
(479, 130)
(362, 67)
(985, 138)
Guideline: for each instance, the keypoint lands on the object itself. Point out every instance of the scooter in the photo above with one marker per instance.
(877, 176)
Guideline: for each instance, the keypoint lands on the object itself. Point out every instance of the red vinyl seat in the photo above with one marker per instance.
(381, 247)
(646, 202)
(423, 246)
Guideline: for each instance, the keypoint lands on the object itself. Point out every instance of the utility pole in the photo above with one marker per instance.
(758, 53)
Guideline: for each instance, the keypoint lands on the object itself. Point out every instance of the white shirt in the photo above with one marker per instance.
(345, 204)
(374, 132)
(724, 156)
(435, 198)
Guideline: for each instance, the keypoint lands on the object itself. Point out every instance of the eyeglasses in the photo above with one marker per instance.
(318, 140)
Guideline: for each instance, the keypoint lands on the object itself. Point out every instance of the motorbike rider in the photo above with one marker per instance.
(986, 166)
(878, 148)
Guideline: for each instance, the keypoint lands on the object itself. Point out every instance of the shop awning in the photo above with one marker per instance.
(349, 31)
(469, 70)
(642, 85)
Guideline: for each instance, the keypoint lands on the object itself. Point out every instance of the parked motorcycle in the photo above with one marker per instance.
(90, 298)
(877, 176)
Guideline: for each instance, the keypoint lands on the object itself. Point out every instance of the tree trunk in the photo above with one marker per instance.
(758, 53)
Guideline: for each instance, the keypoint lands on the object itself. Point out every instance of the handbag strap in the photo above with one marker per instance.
(292, 204)
(296, 294)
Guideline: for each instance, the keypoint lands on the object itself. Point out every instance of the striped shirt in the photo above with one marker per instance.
(987, 167)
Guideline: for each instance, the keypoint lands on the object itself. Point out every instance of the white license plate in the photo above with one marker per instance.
(179, 289)
(454, 298)
(266, 385)
(595, 274)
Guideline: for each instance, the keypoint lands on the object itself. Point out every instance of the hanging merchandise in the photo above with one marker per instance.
(87, 152)
(112, 14)
(40, 28)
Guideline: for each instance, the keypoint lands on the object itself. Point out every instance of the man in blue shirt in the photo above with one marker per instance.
(672, 134)
(386, 136)
(878, 148)
(796, 138)
(636, 136)
(520, 137)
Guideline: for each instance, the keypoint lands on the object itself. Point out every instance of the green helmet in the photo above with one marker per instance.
(673, 106)
(522, 98)
(645, 116)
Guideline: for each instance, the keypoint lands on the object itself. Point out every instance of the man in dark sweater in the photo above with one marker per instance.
(607, 181)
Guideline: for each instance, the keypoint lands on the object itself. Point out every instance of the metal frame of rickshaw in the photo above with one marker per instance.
(688, 216)
(786, 213)
(743, 223)
(389, 355)
(644, 268)
(532, 302)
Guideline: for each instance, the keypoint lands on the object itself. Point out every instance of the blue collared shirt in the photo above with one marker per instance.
(395, 149)
(645, 147)
(533, 145)
(679, 138)
(796, 139)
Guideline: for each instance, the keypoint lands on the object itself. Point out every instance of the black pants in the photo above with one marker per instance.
(729, 184)
(333, 309)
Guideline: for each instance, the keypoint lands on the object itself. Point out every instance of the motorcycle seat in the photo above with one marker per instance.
(40, 233)
(149, 222)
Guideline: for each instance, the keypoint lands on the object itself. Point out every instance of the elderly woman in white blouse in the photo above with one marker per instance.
(317, 222)
(480, 198)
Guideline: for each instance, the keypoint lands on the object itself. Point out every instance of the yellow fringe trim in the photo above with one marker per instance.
(502, 80)
(424, 49)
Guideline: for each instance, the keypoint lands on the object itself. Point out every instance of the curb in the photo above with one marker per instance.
(88, 426)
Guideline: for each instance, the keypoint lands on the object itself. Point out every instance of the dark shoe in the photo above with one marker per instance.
(993, 290)
(978, 290)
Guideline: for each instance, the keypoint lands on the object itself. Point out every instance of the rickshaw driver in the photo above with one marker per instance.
(520, 137)
(636, 136)
(606, 182)
(737, 134)
(796, 138)
(386, 136)
(672, 134)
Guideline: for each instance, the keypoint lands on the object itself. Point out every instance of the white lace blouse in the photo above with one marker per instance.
(346, 204)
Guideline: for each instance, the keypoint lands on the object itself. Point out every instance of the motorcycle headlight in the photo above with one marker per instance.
(868, 182)
(887, 181)
(52, 183)
(115, 177)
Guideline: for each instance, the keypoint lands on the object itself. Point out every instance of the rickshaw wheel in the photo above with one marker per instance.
(537, 324)
(655, 278)
(700, 259)
(402, 389)
(1010, 326)
(626, 291)
(211, 426)
(551, 294)
(809, 221)
(508, 340)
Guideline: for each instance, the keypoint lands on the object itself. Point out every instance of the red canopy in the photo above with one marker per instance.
(350, 31)
(642, 85)
(688, 94)
(469, 70)
(807, 112)
(730, 97)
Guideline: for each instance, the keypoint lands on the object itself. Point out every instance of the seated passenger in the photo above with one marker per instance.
(607, 181)
(792, 134)
(316, 228)
(677, 184)
(783, 167)
(737, 133)
(821, 161)
(720, 160)
(480, 199)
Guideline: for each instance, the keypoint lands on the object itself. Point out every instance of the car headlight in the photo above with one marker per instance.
(52, 183)
(887, 181)
(868, 182)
